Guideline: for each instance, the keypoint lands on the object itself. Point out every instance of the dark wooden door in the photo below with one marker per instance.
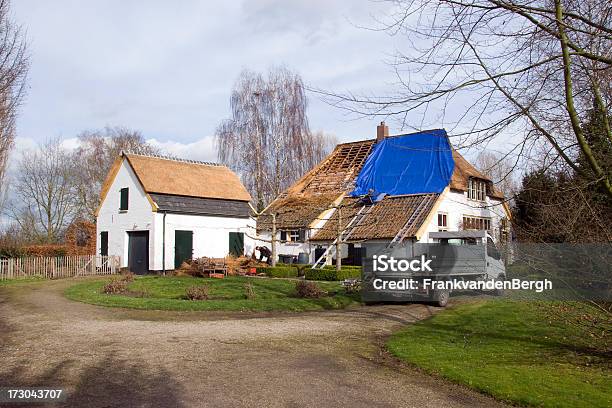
(138, 252)
(104, 243)
(236, 243)
(183, 247)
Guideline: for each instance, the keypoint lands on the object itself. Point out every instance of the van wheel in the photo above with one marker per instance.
(441, 297)
(499, 292)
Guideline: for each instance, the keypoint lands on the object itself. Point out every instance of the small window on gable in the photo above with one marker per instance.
(477, 189)
(123, 203)
(442, 222)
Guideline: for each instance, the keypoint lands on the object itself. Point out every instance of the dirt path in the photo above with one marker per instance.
(125, 358)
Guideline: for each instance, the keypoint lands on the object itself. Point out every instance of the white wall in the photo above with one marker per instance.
(138, 217)
(456, 204)
(210, 236)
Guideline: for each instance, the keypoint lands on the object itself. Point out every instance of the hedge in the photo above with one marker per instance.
(328, 273)
(51, 250)
(279, 271)
(300, 267)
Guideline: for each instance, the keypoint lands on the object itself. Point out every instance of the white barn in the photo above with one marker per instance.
(155, 212)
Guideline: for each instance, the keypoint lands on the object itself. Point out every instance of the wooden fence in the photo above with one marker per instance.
(59, 266)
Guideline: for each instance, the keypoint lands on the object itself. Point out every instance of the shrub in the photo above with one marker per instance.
(115, 287)
(11, 252)
(128, 277)
(119, 286)
(279, 271)
(45, 250)
(330, 274)
(305, 289)
(301, 268)
(249, 293)
(197, 292)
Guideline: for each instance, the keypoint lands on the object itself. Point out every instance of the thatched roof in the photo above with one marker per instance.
(385, 219)
(308, 197)
(187, 178)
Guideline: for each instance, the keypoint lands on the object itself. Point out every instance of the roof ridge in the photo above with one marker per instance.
(172, 158)
(391, 136)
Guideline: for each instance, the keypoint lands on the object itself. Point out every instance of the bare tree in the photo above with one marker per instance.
(94, 157)
(319, 146)
(267, 140)
(46, 193)
(525, 70)
(13, 70)
(500, 170)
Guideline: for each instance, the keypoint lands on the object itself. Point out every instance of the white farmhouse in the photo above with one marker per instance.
(307, 212)
(155, 212)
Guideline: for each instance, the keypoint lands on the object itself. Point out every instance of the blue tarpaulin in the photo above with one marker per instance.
(417, 163)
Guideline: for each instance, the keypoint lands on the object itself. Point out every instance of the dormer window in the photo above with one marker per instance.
(477, 189)
(123, 201)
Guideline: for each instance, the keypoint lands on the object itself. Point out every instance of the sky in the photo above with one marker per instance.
(168, 68)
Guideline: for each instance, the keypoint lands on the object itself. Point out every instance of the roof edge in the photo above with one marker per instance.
(172, 158)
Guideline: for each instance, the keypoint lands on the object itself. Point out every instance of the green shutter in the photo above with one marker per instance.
(123, 205)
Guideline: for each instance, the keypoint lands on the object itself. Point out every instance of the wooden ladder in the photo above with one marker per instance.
(344, 235)
(399, 237)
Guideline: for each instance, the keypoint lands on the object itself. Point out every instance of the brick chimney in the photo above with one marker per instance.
(382, 131)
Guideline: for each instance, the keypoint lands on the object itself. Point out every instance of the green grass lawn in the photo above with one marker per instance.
(30, 279)
(168, 293)
(549, 354)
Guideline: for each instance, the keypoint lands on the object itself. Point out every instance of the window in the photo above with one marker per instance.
(123, 204)
(293, 235)
(477, 189)
(476, 223)
(442, 222)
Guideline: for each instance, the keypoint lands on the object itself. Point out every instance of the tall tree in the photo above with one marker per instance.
(45, 187)
(556, 206)
(13, 71)
(504, 66)
(94, 157)
(267, 140)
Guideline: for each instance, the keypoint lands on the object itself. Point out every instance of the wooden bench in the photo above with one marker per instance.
(215, 268)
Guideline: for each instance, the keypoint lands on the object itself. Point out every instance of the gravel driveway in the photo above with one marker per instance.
(108, 357)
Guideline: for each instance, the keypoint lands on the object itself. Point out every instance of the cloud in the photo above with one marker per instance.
(202, 150)
(167, 69)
